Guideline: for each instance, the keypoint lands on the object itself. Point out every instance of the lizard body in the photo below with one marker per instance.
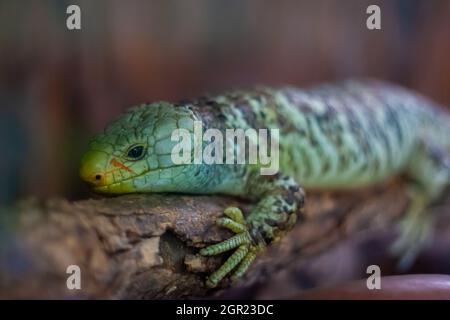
(341, 136)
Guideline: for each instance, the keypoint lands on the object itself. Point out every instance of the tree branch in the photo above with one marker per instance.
(145, 246)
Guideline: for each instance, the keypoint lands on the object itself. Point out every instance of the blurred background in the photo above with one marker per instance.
(58, 87)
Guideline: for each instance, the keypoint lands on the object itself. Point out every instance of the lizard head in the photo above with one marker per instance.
(133, 154)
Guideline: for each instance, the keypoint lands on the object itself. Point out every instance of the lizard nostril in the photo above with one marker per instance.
(98, 177)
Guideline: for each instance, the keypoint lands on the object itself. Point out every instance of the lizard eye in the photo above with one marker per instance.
(135, 152)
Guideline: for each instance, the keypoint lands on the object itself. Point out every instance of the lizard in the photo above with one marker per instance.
(340, 136)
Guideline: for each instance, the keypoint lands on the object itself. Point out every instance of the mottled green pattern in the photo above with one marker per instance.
(339, 136)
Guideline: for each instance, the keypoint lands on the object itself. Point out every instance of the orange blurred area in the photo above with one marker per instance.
(58, 87)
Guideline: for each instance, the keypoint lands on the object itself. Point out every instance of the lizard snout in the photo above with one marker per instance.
(93, 167)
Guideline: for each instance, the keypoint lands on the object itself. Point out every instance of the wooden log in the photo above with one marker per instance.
(146, 246)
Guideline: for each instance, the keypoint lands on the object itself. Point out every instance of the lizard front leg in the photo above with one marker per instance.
(274, 214)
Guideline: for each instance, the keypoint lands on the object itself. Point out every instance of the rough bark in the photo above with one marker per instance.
(144, 246)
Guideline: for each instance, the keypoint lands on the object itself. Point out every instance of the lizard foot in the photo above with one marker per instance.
(414, 236)
(245, 253)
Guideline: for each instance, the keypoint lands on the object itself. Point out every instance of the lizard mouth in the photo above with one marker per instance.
(106, 174)
(120, 186)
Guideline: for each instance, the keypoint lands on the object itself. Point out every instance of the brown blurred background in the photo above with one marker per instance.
(58, 87)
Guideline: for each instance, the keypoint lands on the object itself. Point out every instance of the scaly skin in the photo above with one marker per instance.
(340, 136)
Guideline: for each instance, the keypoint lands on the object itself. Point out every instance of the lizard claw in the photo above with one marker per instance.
(242, 257)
